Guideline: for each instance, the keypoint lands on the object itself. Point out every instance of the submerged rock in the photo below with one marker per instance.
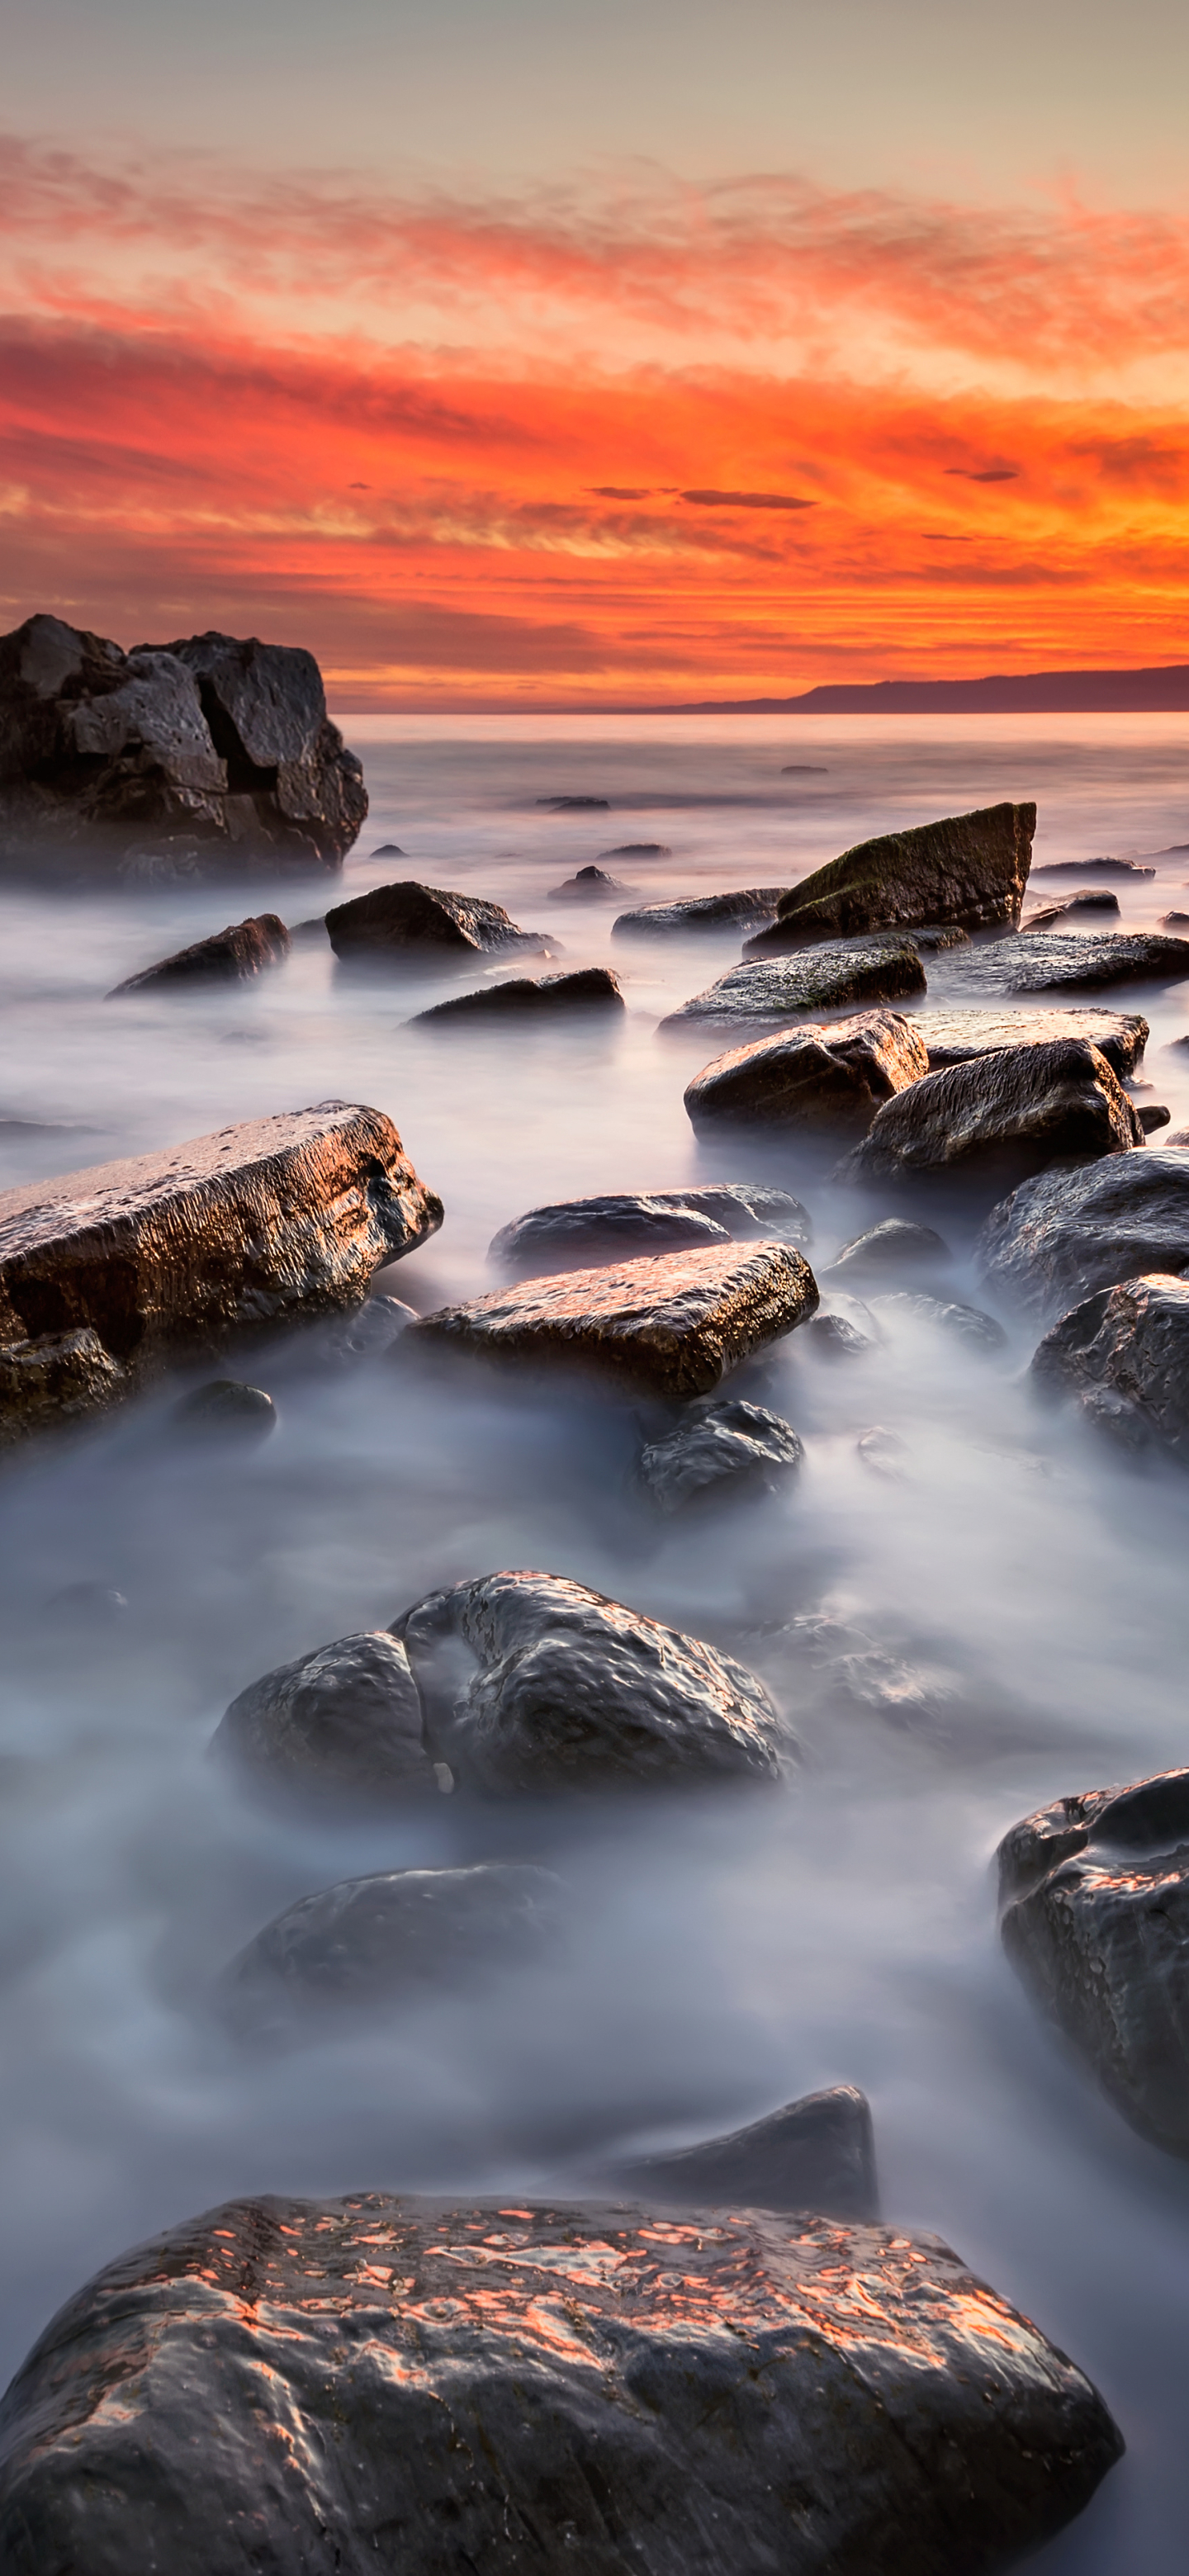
(1131, 1343)
(225, 1408)
(1050, 961)
(385, 2382)
(970, 869)
(245, 948)
(952, 1037)
(579, 1231)
(892, 1250)
(1064, 1234)
(419, 917)
(836, 1076)
(732, 1446)
(345, 1719)
(400, 1935)
(1066, 868)
(822, 979)
(671, 1324)
(699, 912)
(1000, 1117)
(842, 1329)
(1072, 907)
(1095, 1891)
(109, 1275)
(574, 1691)
(592, 987)
(590, 885)
(963, 1323)
(818, 2153)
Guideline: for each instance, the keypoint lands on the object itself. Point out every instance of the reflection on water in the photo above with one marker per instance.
(998, 1621)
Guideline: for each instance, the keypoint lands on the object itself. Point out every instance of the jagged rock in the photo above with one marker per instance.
(183, 756)
(822, 979)
(1067, 868)
(835, 1077)
(1131, 1342)
(1072, 907)
(412, 917)
(699, 912)
(574, 1691)
(245, 948)
(732, 1446)
(346, 1719)
(225, 1408)
(1059, 1237)
(1095, 1892)
(1000, 1116)
(963, 1323)
(890, 1251)
(1050, 961)
(818, 2153)
(590, 885)
(952, 1037)
(669, 1324)
(579, 1231)
(381, 2382)
(401, 1934)
(592, 987)
(970, 869)
(107, 1276)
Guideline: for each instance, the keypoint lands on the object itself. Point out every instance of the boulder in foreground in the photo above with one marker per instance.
(343, 1721)
(1096, 1922)
(578, 1231)
(833, 1077)
(573, 1691)
(669, 1325)
(970, 869)
(731, 1447)
(1001, 1117)
(1064, 1234)
(952, 1037)
(398, 1936)
(818, 2153)
(1125, 1353)
(529, 997)
(699, 912)
(420, 920)
(398, 2385)
(107, 1276)
(244, 949)
(824, 979)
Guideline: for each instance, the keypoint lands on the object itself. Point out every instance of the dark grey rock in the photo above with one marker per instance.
(577, 804)
(224, 1408)
(344, 1720)
(1066, 868)
(1130, 1343)
(590, 885)
(639, 850)
(728, 1448)
(578, 1231)
(966, 1324)
(1152, 1115)
(388, 850)
(398, 1936)
(823, 978)
(818, 2153)
(416, 919)
(244, 949)
(970, 869)
(1064, 1234)
(699, 912)
(1174, 920)
(1000, 1117)
(952, 1037)
(833, 1077)
(574, 1691)
(836, 1332)
(591, 988)
(895, 1249)
(1050, 961)
(1072, 907)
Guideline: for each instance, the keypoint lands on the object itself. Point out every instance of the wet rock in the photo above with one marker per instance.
(1132, 1343)
(1174, 920)
(1066, 868)
(581, 1231)
(591, 988)
(1095, 1891)
(574, 1691)
(1151, 1115)
(893, 1250)
(730, 1447)
(966, 1324)
(970, 869)
(1073, 907)
(822, 979)
(818, 2153)
(370, 1331)
(590, 885)
(699, 912)
(346, 1719)
(671, 1324)
(339, 2384)
(108, 1276)
(1000, 1117)
(244, 949)
(932, 938)
(857, 1672)
(415, 918)
(1049, 961)
(884, 1452)
(187, 756)
(834, 1077)
(1064, 1234)
(835, 1332)
(576, 804)
(226, 1409)
(398, 1936)
(639, 850)
(952, 1037)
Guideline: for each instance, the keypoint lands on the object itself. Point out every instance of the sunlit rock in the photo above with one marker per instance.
(1000, 1117)
(970, 869)
(1050, 961)
(833, 1077)
(952, 1036)
(578, 1231)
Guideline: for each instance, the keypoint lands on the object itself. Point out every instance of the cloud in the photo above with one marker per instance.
(748, 501)
(986, 473)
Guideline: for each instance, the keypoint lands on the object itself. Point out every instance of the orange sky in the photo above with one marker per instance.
(628, 443)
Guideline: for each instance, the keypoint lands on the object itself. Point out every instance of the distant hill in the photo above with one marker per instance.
(1161, 691)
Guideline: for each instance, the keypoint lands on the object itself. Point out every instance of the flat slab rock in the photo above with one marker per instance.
(343, 1722)
(728, 1448)
(1095, 1892)
(952, 1037)
(399, 1935)
(1049, 961)
(699, 912)
(823, 978)
(968, 869)
(109, 1275)
(1124, 1353)
(339, 2384)
(571, 1690)
(244, 949)
(581, 1230)
(670, 1325)
(818, 2153)
(1000, 1117)
(526, 996)
(837, 1076)
(1063, 1235)
(420, 917)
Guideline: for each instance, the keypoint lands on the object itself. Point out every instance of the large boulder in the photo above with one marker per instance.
(824, 979)
(233, 955)
(725, 1449)
(581, 1231)
(529, 997)
(699, 912)
(670, 1324)
(1000, 1117)
(396, 1937)
(953, 1036)
(1053, 961)
(1095, 1891)
(573, 1691)
(382, 2384)
(835, 1077)
(185, 756)
(1125, 1353)
(344, 1721)
(1064, 1234)
(970, 869)
(107, 1276)
(818, 2153)
(425, 920)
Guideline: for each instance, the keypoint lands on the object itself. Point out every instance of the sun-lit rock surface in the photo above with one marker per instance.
(952, 1036)
(577, 1231)
(837, 1076)
(969, 869)
(1062, 1235)
(1000, 1117)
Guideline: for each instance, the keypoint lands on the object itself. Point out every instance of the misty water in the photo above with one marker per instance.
(1017, 1592)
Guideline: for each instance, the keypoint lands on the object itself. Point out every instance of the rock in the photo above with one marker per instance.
(1064, 1234)
(964, 1323)
(577, 804)
(818, 2153)
(345, 1719)
(730, 1446)
(590, 885)
(581, 1231)
(187, 756)
(399, 918)
(592, 987)
(639, 850)
(108, 1276)
(1093, 868)
(226, 1409)
(835, 1333)
(970, 869)
(398, 1936)
(670, 1324)
(1049, 961)
(245, 948)
(1133, 1343)
(1174, 920)
(804, 769)
(952, 1037)
(824, 979)
(316, 2385)
(884, 1452)
(369, 1331)
(1152, 1115)
(1000, 1115)
(1095, 1892)
(1179, 1136)
(889, 1251)
(1072, 908)
(388, 850)
(574, 1691)
(699, 912)
(834, 1077)
(931, 938)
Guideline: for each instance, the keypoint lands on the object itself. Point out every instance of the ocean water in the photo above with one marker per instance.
(1018, 1592)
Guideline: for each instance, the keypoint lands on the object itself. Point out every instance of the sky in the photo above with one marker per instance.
(572, 353)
